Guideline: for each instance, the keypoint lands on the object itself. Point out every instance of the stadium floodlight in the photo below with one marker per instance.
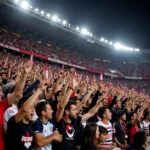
(77, 28)
(91, 34)
(137, 49)
(102, 39)
(84, 31)
(64, 22)
(25, 5)
(16, 1)
(48, 15)
(54, 18)
(42, 12)
(130, 49)
(119, 46)
(106, 41)
(36, 10)
(110, 43)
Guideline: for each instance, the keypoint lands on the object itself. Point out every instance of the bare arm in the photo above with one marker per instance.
(17, 94)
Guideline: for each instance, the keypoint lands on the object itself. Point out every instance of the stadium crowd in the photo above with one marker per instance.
(27, 43)
(45, 106)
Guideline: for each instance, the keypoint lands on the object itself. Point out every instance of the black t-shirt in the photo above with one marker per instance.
(68, 131)
(20, 135)
(120, 131)
(88, 146)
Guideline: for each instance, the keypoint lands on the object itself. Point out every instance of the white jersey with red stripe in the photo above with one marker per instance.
(108, 126)
(145, 126)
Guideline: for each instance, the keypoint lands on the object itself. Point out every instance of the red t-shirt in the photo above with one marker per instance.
(131, 132)
(3, 106)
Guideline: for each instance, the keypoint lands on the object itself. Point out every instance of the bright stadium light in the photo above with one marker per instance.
(16, 1)
(118, 46)
(64, 22)
(102, 39)
(84, 31)
(91, 34)
(48, 15)
(54, 18)
(106, 41)
(36, 10)
(25, 5)
(77, 28)
(110, 43)
(137, 49)
(130, 49)
(42, 12)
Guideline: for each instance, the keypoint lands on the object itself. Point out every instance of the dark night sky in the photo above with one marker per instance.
(127, 21)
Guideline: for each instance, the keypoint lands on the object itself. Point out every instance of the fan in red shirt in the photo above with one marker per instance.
(15, 96)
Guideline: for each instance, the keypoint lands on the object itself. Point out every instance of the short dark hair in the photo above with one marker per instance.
(68, 106)
(23, 100)
(139, 138)
(103, 130)
(40, 107)
(146, 113)
(101, 111)
(131, 115)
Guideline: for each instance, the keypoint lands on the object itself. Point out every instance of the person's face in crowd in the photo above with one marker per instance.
(4, 76)
(134, 117)
(28, 82)
(123, 117)
(105, 102)
(102, 137)
(97, 132)
(29, 114)
(73, 112)
(48, 112)
(1, 93)
(107, 114)
(118, 104)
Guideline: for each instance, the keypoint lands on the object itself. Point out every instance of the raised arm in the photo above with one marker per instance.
(18, 91)
(74, 82)
(92, 111)
(30, 101)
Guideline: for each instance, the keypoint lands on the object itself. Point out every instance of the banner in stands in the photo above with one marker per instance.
(71, 65)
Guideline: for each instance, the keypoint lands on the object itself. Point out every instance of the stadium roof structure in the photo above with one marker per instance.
(62, 35)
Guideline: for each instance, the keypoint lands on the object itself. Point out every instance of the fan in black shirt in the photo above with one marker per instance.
(67, 120)
(20, 129)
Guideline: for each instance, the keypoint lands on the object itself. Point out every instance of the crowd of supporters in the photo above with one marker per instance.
(27, 43)
(51, 107)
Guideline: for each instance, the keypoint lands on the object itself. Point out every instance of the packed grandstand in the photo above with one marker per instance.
(71, 88)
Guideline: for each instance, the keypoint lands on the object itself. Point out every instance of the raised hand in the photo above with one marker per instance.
(27, 66)
(75, 80)
(43, 84)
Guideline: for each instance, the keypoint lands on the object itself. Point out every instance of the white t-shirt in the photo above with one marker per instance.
(11, 111)
(45, 130)
(108, 126)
